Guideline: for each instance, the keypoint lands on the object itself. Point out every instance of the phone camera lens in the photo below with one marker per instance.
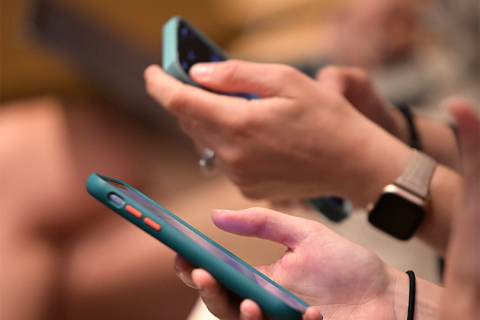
(191, 55)
(185, 65)
(184, 32)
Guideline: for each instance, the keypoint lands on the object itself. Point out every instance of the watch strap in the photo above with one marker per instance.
(416, 177)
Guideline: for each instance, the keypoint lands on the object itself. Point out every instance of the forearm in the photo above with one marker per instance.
(385, 165)
(435, 229)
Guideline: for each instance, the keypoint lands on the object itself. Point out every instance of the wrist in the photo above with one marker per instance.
(427, 297)
(400, 294)
(445, 189)
(381, 163)
(398, 125)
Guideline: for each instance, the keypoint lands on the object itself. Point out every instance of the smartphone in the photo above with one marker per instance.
(183, 45)
(235, 274)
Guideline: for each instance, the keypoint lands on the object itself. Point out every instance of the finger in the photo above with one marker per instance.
(356, 86)
(348, 81)
(462, 276)
(221, 302)
(184, 269)
(197, 131)
(312, 313)
(189, 101)
(267, 80)
(265, 224)
(249, 310)
(468, 129)
(333, 77)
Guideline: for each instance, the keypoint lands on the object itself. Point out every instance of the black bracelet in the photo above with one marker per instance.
(407, 113)
(411, 297)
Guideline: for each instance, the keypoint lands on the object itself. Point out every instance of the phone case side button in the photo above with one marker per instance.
(152, 224)
(133, 211)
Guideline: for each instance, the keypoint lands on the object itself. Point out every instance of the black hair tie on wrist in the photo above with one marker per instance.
(411, 297)
(413, 135)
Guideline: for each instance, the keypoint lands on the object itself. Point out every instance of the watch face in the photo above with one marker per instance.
(396, 216)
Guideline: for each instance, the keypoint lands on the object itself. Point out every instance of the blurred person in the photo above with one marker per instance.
(454, 27)
(63, 254)
(371, 33)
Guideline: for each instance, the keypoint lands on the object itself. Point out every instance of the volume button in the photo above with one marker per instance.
(152, 224)
(133, 211)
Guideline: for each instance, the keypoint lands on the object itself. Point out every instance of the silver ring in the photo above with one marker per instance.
(206, 162)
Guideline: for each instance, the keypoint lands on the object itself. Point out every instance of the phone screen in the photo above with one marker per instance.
(192, 49)
(210, 246)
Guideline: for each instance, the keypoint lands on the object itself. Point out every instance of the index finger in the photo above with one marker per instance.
(265, 224)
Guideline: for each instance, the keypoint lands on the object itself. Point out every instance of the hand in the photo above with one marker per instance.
(356, 86)
(340, 279)
(300, 140)
(462, 276)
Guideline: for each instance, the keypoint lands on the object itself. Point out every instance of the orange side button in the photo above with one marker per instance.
(152, 224)
(133, 211)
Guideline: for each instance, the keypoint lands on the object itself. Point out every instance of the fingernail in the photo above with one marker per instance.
(221, 211)
(312, 313)
(246, 315)
(202, 69)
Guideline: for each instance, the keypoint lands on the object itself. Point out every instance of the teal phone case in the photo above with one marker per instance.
(170, 56)
(232, 272)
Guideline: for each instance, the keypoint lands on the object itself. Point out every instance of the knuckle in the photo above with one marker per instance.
(229, 71)
(175, 100)
(331, 70)
(360, 74)
(287, 73)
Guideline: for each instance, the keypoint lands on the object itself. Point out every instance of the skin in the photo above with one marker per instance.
(254, 144)
(261, 138)
(63, 254)
(340, 279)
(371, 33)
(340, 265)
(462, 274)
(300, 124)
(436, 139)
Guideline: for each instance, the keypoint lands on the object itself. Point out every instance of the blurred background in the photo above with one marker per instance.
(434, 42)
(73, 102)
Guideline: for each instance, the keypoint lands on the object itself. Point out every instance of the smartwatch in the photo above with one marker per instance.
(401, 207)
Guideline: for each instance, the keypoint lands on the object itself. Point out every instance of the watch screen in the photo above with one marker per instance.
(396, 216)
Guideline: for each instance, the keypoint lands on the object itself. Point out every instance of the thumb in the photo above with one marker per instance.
(264, 224)
(266, 80)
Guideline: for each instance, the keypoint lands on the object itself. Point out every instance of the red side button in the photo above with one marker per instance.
(133, 211)
(152, 224)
